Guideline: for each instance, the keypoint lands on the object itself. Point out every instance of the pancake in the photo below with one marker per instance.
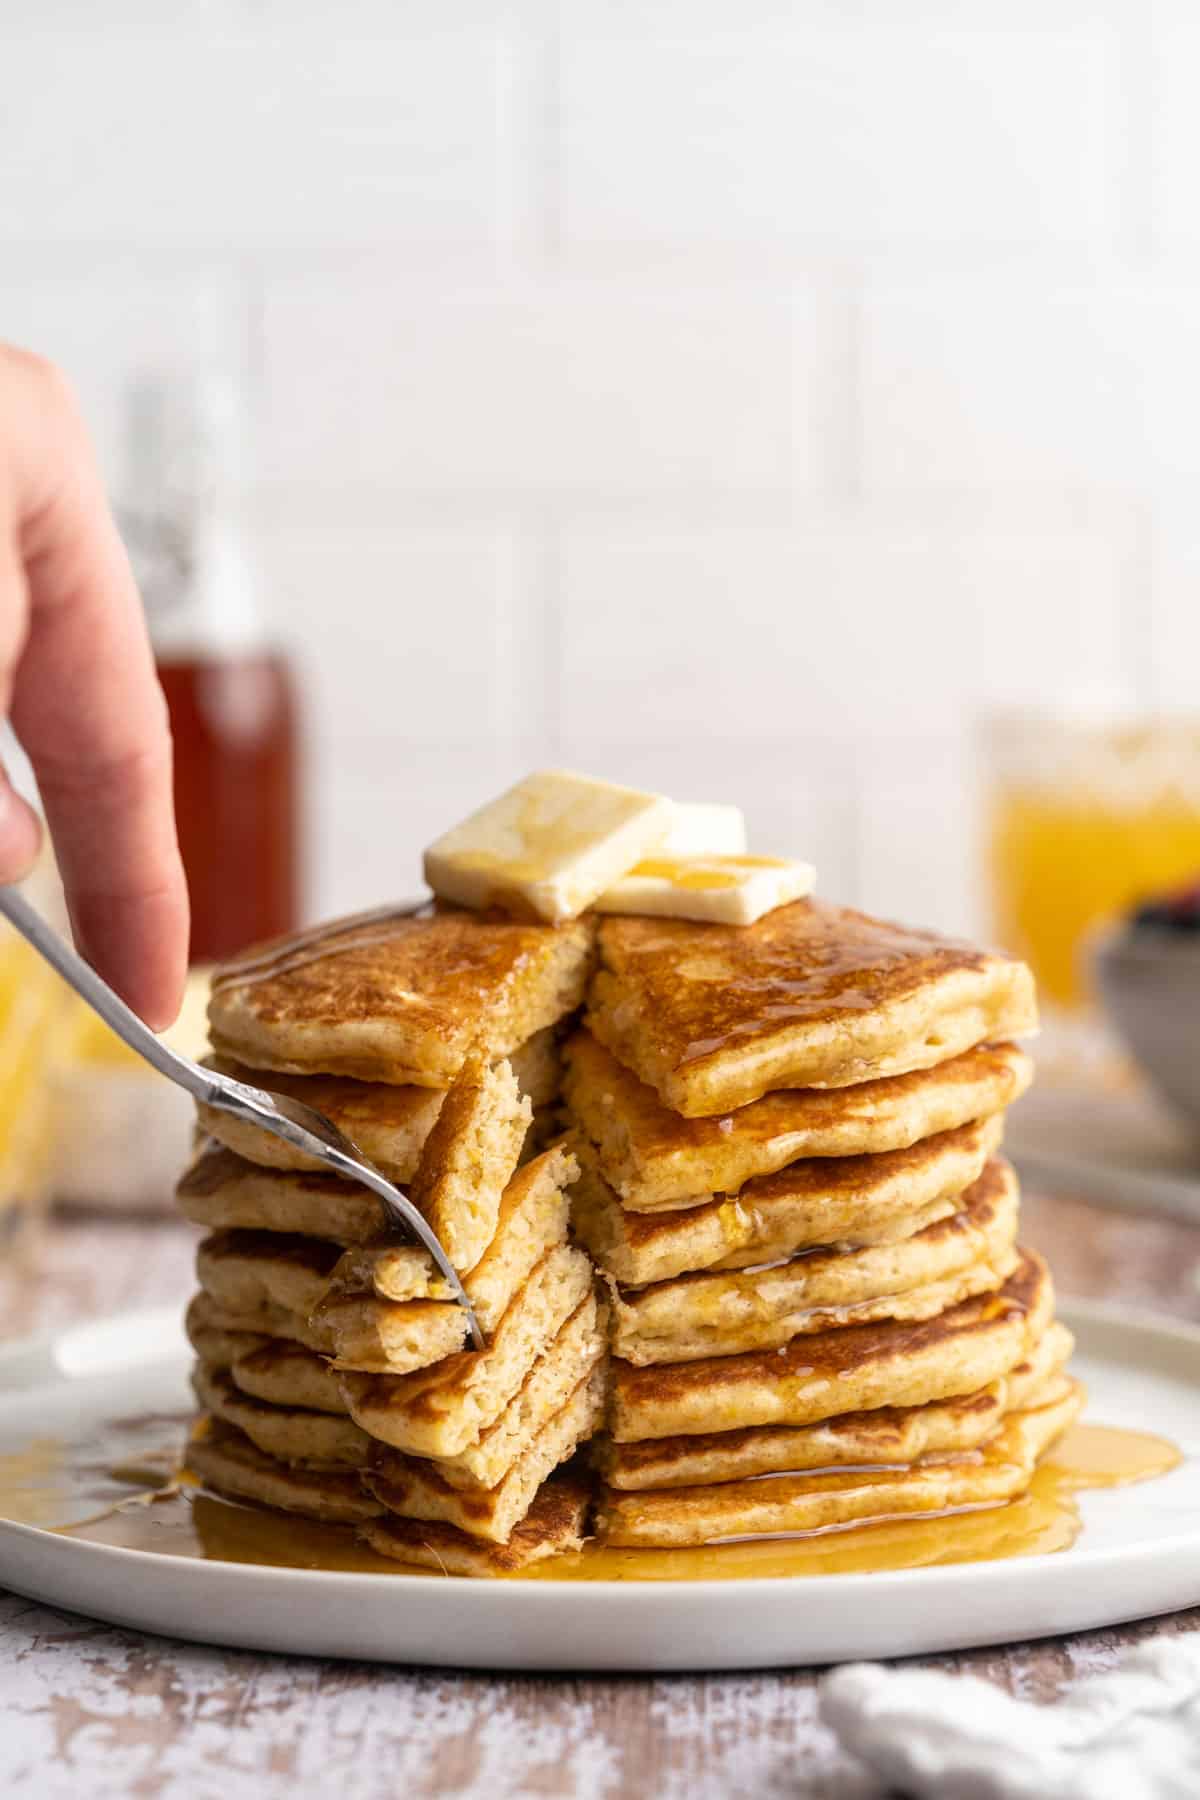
(365, 1331)
(654, 1158)
(227, 1462)
(813, 995)
(224, 1192)
(442, 1410)
(207, 1317)
(215, 1339)
(848, 1370)
(417, 1490)
(290, 1433)
(886, 1436)
(847, 1201)
(287, 1374)
(971, 1252)
(575, 1352)
(389, 1124)
(555, 1522)
(469, 1158)
(804, 1503)
(532, 1205)
(257, 1273)
(401, 1000)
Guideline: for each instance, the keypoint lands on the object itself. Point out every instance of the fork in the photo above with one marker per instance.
(301, 1126)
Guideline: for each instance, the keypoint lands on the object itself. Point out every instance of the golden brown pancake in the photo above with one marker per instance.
(267, 1273)
(555, 1522)
(694, 1316)
(223, 1192)
(227, 1462)
(401, 1001)
(366, 1331)
(208, 1319)
(813, 995)
(887, 1436)
(844, 1202)
(442, 1410)
(416, 1489)
(292, 1434)
(216, 1337)
(654, 1158)
(287, 1374)
(804, 1503)
(532, 1205)
(389, 1124)
(469, 1158)
(849, 1370)
(579, 1348)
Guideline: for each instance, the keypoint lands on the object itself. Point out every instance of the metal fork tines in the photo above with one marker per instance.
(303, 1127)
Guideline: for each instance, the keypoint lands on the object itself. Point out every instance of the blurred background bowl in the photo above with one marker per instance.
(1149, 985)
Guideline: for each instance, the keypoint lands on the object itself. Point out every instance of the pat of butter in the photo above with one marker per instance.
(718, 890)
(548, 846)
(700, 828)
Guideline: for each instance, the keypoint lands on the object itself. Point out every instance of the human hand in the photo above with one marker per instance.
(77, 681)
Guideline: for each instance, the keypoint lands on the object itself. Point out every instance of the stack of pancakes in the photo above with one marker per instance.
(331, 1361)
(788, 1136)
(782, 1157)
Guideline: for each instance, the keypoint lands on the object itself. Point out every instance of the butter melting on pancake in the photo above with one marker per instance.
(654, 1158)
(813, 995)
(402, 1001)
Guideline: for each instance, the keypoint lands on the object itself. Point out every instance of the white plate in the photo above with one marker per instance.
(1138, 1554)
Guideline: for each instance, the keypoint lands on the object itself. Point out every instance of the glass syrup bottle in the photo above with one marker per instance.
(230, 691)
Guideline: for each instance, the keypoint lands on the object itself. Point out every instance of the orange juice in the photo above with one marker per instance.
(1087, 836)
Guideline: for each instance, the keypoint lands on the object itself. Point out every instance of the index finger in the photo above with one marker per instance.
(89, 710)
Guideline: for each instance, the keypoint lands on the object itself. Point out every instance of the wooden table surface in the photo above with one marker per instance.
(88, 1710)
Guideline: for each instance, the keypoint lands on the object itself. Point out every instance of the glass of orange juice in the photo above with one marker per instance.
(1084, 821)
(32, 1014)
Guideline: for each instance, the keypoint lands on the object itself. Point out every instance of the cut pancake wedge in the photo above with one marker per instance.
(400, 1001)
(557, 1521)
(414, 1489)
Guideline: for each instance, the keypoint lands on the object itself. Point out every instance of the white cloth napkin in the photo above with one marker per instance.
(1133, 1734)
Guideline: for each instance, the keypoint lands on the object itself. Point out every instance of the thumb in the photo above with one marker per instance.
(20, 833)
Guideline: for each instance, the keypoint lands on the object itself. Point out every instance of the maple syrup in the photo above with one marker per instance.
(120, 1487)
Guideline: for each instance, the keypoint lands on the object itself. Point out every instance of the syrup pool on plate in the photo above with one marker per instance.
(119, 1485)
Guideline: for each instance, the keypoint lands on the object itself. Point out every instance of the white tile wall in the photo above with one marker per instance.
(737, 400)
(742, 129)
(555, 387)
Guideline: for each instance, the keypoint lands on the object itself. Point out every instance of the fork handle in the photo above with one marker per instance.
(99, 996)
